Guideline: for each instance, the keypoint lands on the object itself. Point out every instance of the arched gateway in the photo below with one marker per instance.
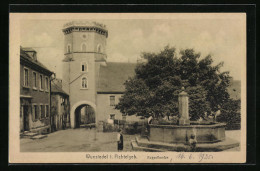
(83, 112)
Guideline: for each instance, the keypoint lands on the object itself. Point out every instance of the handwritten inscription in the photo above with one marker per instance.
(203, 156)
(197, 157)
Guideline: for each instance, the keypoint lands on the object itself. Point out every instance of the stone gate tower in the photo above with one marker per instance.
(84, 52)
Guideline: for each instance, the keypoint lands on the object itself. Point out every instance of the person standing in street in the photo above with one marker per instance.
(120, 141)
(149, 121)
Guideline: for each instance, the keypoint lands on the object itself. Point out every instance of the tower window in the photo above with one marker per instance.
(84, 83)
(68, 49)
(84, 47)
(112, 101)
(84, 36)
(99, 48)
(84, 66)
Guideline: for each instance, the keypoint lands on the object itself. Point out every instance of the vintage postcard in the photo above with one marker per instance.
(127, 88)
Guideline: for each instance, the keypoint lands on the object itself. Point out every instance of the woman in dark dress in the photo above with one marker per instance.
(120, 141)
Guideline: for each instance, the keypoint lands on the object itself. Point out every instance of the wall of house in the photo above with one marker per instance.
(104, 109)
(59, 110)
(21, 118)
(54, 109)
(39, 97)
(25, 102)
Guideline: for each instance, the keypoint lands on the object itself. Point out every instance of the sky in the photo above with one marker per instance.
(223, 38)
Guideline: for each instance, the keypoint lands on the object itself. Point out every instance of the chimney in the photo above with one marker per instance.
(58, 82)
(31, 52)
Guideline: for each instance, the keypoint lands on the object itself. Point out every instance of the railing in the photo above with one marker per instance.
(130, 127)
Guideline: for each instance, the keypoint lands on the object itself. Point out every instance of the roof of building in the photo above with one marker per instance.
(57, 89)
(27, 57)
(113, 76)
(83, 23)
(28, 49)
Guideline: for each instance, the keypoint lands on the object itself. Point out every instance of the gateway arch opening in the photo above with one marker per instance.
(84, 116)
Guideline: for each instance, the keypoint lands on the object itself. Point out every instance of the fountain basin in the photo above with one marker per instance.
(205, 133)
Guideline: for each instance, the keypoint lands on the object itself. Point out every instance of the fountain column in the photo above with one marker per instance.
(183, 100)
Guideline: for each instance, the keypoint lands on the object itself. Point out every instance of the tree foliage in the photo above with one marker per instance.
(155, 87)
(230, 113)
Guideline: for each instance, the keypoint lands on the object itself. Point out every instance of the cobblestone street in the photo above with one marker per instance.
(84, 140)
(76, 140)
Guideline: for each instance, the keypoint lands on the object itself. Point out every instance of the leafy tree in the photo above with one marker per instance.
(155, 87)
(230, 113)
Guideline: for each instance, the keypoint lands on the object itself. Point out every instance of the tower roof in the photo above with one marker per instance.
(85, 26)
(82, 23)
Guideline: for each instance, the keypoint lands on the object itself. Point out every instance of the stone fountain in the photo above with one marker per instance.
(209, 136)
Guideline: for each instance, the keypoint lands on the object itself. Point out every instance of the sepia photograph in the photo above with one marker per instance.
(127, 88)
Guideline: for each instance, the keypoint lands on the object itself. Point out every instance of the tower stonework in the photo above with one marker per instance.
(84, 52)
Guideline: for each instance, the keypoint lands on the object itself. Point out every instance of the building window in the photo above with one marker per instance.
(37, 116)
(47, 83)
(21, 112)
(62, 100)
(34, 113)
(112, 101)
(84, 66)
(42, 111)
(34, 80)
(84, 47)
(46, 110)
(26, 77)
(112, 116)
(41, 82)
(68, 48)
(84, 83)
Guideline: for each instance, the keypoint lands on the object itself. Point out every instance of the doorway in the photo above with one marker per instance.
(26, 118)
